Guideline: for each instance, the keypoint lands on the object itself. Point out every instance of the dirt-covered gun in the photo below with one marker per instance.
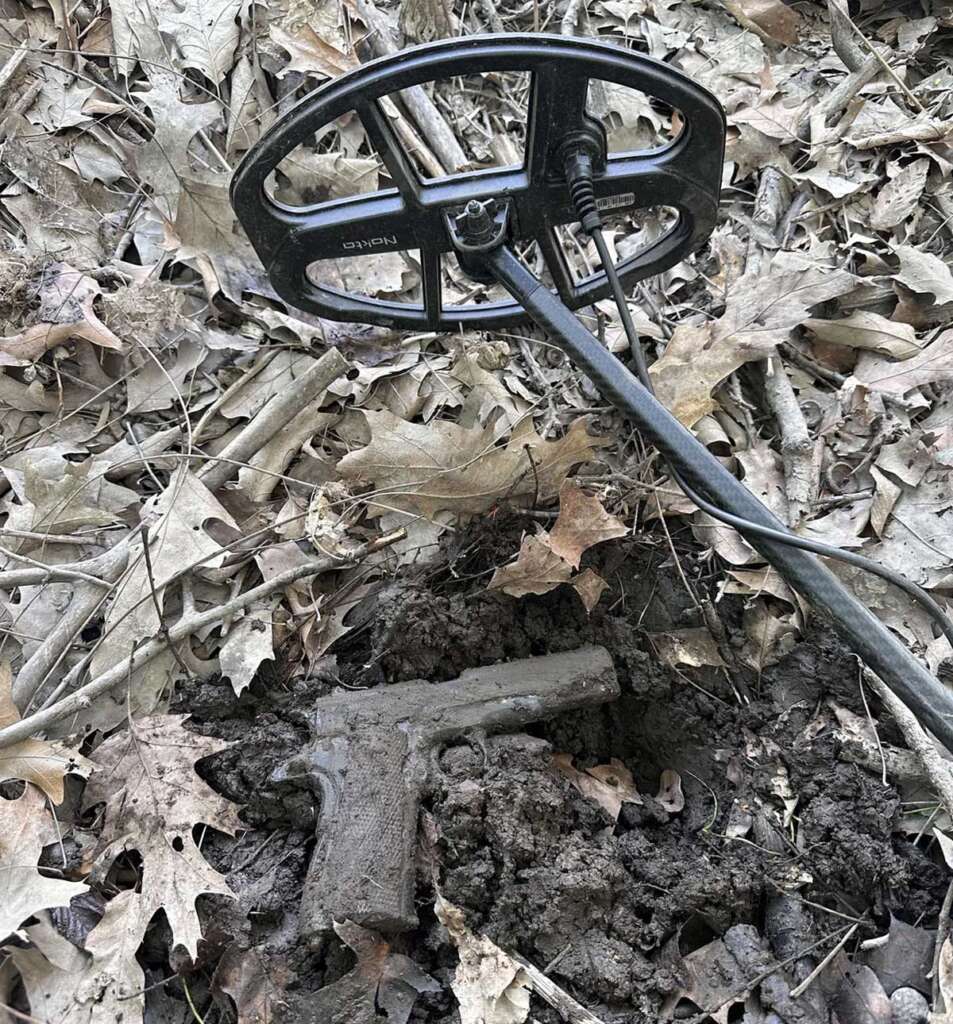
(370, 758)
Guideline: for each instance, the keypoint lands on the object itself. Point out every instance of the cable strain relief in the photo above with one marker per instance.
(578, 167)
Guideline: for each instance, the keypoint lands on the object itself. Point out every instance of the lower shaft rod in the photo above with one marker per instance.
(883, 652)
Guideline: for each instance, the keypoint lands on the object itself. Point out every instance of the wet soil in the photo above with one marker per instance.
(776, 820)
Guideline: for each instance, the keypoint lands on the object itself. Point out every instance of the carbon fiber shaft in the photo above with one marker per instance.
(883, 652)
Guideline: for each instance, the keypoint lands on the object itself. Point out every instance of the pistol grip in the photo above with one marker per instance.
(363, 867)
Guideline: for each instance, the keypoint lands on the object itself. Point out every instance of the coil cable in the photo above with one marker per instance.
(579, 174)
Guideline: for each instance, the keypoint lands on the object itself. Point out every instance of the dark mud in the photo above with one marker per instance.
(776, 822)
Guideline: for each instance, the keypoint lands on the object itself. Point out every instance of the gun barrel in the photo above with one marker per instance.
(496, 696)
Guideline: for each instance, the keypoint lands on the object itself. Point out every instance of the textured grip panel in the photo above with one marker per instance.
(363, 866)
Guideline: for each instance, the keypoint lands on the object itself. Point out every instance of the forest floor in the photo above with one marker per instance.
(217, 509)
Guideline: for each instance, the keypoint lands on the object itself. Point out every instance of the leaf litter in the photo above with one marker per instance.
(810, 346)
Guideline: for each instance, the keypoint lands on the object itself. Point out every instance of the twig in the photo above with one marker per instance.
(571, 17)
(420, 106)
(43, 573)
(493, 18)
(934, 766)
(801, 471)
(562, 1002)
(800, 989)
(83, 697)
(942, 931)
(163, 627)
(275, 414)
(86, 600)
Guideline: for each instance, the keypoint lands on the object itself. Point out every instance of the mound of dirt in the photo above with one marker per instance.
(776, 819)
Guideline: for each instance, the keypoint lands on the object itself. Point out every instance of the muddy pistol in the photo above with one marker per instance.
(370, 757)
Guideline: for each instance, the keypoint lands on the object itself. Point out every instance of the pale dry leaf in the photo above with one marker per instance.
(713, 980)
(249, 643)
(62, 496)
(836, 184)
(932, 363)
(310, 53)
(317, 177)
(59, 213)
(670, 794)
(209, 238)
(900, 197)
(42, 762)
(590, 586)
(582, 523)
(490, 986)
(429, 468)
(945, 973)
(946, 846)
(868, 331)
(761, 312)
(609, 785)
(66, 312)
(693, 647)
(886, 494)
(161, 161)
(256, 983)
(264, 470)
(769, 636)
(205, 32)
(25, 827)
(925, 273)
(177, 538)
(537, 570)
(153, 797)
(104, 983)
(383, 983)
(771, 19)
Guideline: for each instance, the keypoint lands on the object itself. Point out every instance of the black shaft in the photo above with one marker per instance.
(884, 653)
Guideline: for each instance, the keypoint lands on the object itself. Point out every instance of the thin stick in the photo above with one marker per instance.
(799, 989)
(83, 697)
(277, 412)
(942, 930)
(562, 1002)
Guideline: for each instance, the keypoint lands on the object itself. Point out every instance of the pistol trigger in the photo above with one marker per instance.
(478, 738)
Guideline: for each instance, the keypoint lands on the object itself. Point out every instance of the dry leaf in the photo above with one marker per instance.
(609, 785)
(670, 794)
(25, 828)
(590, 586)
(900, 197)
(771, 19)
(310, 53)
(923, 272)
(932, 363)
(248, 643)
(694, 647)
(441, 466)
(761, 312)
(177, 539)
(104, 983)
(537, 570)
(383, 983)
(870, 331)
(490, 986)
(256, 983)
(153, 798)
(67, 312)
(42, 762)
(582, 522)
